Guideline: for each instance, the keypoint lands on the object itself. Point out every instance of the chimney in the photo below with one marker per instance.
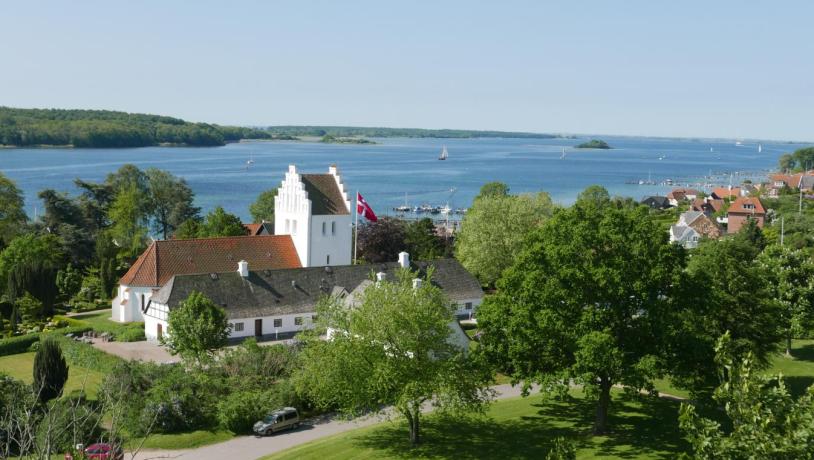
(417, 282)
(404, 260)
(243, 268)
(381, 276)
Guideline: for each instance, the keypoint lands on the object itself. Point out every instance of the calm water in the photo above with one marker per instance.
(385, 172)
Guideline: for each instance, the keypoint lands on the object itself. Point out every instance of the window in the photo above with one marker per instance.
(298, 320)
(328, 259)
(468, 305)
(238, 327)
(323, 228)
(333, 228)
(278, 322)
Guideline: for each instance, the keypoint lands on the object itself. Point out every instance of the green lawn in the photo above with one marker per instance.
(515, 428)
(189, 440)
(21, 367)
(100, 322)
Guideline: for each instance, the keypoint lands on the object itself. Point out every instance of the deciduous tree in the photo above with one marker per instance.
(392, 348)
(262, 210)
(381, 241)
(12, 214)
(421, 241)
(220, 223)
(196, 329)
(493, 230)
(171, 201)
(589, 299)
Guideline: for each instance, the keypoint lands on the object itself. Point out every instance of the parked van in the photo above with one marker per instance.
(282, 419)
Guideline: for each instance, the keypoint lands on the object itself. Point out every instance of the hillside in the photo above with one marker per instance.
(350, 131)
(105, 128)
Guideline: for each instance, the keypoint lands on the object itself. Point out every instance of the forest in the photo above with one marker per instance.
(109, 129)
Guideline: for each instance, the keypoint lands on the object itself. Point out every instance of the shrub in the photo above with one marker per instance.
(238, 411)
(19, 344)
(131, 335)
(562, 449)
(71, 421)
(50, 370)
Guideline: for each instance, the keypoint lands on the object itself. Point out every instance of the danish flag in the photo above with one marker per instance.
(364, 209)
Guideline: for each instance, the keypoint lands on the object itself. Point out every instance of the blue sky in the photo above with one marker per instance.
(719, 69)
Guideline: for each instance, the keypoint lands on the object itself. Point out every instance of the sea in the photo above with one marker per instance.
(398, 171)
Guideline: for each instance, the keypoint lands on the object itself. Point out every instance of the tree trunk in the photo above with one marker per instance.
(412, 421)
(601, 423)
(788, 345)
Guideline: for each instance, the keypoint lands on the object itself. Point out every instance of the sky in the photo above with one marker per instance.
(731, 69)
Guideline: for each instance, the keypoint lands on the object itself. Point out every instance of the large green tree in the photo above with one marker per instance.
(129, 222)
(421, 241)
(392, 348)
(171, 201)
(790, 273)
(380, 241)
(196, 329)
(493, 230)
(12, 214)
(262, 210)
(50, 370)
(590, 299)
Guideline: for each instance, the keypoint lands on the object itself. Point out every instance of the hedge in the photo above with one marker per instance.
(21, 343)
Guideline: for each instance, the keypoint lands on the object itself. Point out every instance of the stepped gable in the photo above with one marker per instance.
(324, 193)
(167, 258)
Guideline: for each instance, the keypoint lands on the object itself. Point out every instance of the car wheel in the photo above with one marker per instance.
(297, 425)
(269, 432)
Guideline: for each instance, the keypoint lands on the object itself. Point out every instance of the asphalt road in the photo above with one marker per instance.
(252, 447)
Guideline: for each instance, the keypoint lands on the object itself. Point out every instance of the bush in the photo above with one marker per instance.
(240, 410)
(71, 421)
(19, 344)
(131, 335)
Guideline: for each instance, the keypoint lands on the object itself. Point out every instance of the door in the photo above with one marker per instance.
(258, 327)
(159, 331)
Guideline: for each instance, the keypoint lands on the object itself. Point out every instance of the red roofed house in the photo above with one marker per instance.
(167, 258)
(707, 205)
(680, 194)
(726, 192)
(794, 181)
(741, 210)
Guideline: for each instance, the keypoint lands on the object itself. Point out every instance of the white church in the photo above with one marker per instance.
(312, 227)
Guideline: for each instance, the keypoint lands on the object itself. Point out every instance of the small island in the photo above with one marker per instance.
(331, 139)
(594, 144)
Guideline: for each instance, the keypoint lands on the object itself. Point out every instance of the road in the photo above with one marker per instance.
(252, 447)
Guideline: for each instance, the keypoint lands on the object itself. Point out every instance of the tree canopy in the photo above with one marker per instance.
(12, 214)
(392, 348)
(802, 159)
(493, 230)
(590, 299)
(262, 210)
(196, 329)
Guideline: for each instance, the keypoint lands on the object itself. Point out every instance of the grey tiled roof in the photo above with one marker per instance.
(293, 291)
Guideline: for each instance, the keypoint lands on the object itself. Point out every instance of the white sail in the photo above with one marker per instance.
(759, 148)
(444, 153)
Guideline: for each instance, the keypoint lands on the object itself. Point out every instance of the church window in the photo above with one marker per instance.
(323, 228)
(328, 260)
(333, 228)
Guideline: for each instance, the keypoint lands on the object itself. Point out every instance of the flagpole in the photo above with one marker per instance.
(355, 225)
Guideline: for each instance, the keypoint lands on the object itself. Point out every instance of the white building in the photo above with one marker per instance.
(315, 210)
(312, 229)
(279, 303)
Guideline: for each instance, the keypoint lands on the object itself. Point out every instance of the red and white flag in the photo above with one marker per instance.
(364, 209)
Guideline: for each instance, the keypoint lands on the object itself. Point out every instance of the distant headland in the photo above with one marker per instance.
(69, 128)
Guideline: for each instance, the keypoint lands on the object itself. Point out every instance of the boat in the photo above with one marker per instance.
(444, 154)
(562, 157)
(250, 161)
(738, 144)
(759, 148)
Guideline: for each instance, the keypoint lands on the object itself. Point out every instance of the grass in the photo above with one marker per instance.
(189, 440)
(100, 322)
(21, 367)
(515, 428)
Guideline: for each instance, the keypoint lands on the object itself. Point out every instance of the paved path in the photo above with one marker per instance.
(252, 447)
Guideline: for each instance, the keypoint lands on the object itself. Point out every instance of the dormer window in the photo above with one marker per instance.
(748, 206)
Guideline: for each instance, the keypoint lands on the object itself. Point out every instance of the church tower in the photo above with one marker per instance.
(315, 210)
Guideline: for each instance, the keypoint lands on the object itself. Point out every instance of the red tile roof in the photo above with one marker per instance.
(167, 258)
(252, 229)
(746, 205)
(681, 193)
(723, 192)
(705, 204)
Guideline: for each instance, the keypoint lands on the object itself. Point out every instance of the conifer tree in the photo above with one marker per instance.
(50, 370)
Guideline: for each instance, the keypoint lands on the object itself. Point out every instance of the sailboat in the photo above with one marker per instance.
(444, 154)
(759, 148)
(250, 161)
(562, 157)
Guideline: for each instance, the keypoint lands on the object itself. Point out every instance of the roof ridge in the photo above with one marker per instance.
(218, 238)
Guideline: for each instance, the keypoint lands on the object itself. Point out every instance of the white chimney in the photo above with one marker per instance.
(243, 268)
(417, 283)
(404, 260)
(381, 276)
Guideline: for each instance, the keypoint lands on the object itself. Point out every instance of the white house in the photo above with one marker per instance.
(167, 258)
(279, 303)
(315, 210)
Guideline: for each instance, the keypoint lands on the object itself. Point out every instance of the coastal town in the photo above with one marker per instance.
(406, 230)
